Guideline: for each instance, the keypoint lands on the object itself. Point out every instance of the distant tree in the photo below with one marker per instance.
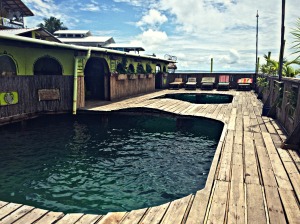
(52, 24)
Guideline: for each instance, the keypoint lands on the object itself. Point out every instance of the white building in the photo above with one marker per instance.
(85, 38)
(82, 38)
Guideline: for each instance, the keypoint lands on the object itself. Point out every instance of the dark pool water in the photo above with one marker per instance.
(102, 163)
(201, 98)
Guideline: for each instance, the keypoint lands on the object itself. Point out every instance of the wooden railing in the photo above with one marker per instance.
(282, 101)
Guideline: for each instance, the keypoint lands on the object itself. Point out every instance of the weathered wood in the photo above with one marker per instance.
(17, 214)
(199, 207)
(291, 206)
(7, 209)
(32, 216)
(251, 168)
(255, 204)
(134, 216)
(274, 206)
(176, 210)
(3, 203)
(236, 210)
(50, 217)
(225, 168)
(88, 219)
(112, 218)
(155, 214)
(70, 218)
(217, 213)
(278, 168)
(266, 167)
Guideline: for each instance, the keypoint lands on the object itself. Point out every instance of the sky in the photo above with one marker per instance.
(192, 30)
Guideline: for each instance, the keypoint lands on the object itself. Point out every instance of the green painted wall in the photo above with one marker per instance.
(25, 58)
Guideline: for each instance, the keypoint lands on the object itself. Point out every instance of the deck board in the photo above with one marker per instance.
(251, 179)
(155, 214)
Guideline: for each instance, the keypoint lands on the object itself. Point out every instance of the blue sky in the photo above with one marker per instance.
(192, 30)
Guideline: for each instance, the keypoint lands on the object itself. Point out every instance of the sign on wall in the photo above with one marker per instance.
(48, 94)
(8, 98)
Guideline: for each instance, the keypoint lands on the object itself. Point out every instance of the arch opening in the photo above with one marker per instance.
(7, 66)
(97, 80)
(47, 66)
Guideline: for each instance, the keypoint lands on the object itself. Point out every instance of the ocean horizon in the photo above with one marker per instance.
(205, 71)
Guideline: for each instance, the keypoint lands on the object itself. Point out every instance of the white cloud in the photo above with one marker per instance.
(231, 58)
(153, 19)
(192, 30)
(93, 6)
(151, 39)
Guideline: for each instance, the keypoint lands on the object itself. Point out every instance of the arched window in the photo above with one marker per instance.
(164, 69)
(7, 66)
(47, 66)
(148, 68)
(130, 69)
(140, 69)
(157, 68)
(121, 69)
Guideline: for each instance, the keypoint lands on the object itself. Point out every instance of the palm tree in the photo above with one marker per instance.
(296, 34)
(52, 24)
(272, 67)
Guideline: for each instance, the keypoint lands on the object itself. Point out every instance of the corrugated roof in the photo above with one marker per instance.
(130, 47)
(17, 5)
(74, 47)
(72, 32)
(44, 33)
(90, 39)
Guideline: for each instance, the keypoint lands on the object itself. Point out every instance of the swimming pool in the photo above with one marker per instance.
(200, 98)
(102, 163)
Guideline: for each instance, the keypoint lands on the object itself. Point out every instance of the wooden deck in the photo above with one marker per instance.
(251, 180)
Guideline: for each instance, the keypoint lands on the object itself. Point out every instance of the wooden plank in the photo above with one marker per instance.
(295, 157)
(3, 203)
(254, 125)
(50, 217)
(134, 216)
(88, 219)
(278, 168)
(217, 213)
(294, 176)
(238, 137)
(155, 214)
(31, 216)
(247, 125)
(274, 206)
(7, 209)
(258, 139)
(199, 207)
(262, 125)
(70, 218)
(251, 168)
(225, 167)
(232, 119)
(237, 173)
(17, 214)
(268, 175)
(290, 205)
(176, 211)
(214, 168)
(269, 126)
(236, 209)
(255, 204)
(112, 218)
